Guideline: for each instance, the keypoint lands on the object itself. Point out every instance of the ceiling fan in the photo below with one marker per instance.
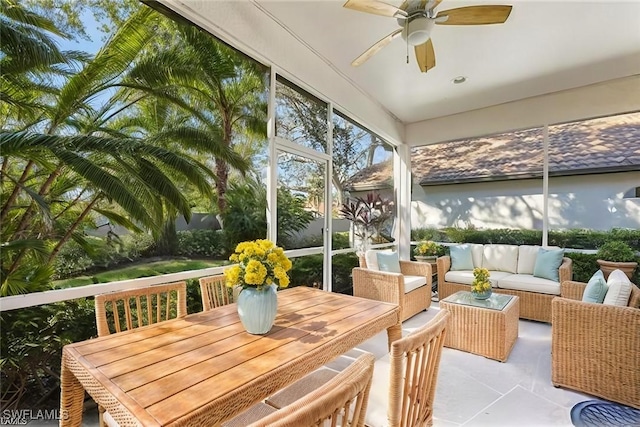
(417, 19)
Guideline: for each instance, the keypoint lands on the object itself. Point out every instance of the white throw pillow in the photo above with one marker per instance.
(476, 254)
(500, 258)
(527, 258)
(619, 289)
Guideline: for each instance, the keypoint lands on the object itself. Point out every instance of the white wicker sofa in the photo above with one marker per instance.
(511, 271)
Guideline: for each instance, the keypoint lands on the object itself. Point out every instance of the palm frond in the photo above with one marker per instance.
(116, 218)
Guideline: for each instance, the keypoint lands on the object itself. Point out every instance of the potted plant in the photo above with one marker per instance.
(617, 255)
(427, 251)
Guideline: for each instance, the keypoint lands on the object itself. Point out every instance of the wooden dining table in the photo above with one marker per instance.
(204, 368)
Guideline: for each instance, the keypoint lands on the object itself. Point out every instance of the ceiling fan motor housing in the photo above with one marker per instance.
(418, 30)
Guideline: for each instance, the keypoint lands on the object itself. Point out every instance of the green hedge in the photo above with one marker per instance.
(575, 238)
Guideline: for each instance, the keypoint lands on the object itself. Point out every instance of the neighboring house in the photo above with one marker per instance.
(496, 181)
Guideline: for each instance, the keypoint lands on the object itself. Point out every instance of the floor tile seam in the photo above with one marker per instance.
(502, 396)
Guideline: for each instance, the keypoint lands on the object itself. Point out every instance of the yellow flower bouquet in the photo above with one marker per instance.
(259, 263)
(427, 248)
(481, 283)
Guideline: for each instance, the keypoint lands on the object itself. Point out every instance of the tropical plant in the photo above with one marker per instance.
(368, 215)
(246, 214)
(259, 263)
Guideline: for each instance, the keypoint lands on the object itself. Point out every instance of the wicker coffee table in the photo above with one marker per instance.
(485, 327)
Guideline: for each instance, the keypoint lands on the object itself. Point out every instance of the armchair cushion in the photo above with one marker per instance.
(388, 261)
(413, 282)
(547, 263)
(619, 289)
(461, 258)
(371, 258)
(596, 289)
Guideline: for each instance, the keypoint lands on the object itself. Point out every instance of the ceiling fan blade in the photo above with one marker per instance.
(425, 56)
(376, 48)
(374, 6)
(475, 15)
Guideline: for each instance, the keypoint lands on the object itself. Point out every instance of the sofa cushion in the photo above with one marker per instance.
(476, 254)
(461, 276)
(596, 289)
(388, 261)
(465, 277)
(461, 258)
(619, 289)
(527, 282)
(500, 258)
(527, 258)
(547, 264)
(413, 282)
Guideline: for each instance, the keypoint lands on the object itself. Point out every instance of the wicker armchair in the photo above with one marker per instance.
(411, 374)
(390, 287)
(595, 347)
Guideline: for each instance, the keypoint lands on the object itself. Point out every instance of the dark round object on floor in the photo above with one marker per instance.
(600, 413)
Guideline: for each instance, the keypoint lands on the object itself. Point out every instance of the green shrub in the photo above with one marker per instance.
(194, 297)
(100, 253)
(616, 251)
(32, 340)
(307, 270)
(574, 238)
(584, 266)
(202, 243)
(429, 234)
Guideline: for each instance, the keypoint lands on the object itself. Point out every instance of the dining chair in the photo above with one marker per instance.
(132, 308)
(137, 307)
(342, 401)
(403, 388)
(215, 292)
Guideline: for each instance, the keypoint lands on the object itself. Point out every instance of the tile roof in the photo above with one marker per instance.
(608, 144)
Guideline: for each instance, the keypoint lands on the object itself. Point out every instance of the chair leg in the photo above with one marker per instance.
(394, 333)
(101, 416)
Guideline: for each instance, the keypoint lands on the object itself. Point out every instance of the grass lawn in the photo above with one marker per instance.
(154, 268)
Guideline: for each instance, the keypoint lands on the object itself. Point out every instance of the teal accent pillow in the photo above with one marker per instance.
(389, 262)
(596, 289)
(461, 257)
(547, 264)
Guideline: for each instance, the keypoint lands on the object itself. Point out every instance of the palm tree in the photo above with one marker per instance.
(28, 55)
(221, 89)
(71, 163)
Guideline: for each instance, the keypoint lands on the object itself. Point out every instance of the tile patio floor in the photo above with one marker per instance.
(475, 391)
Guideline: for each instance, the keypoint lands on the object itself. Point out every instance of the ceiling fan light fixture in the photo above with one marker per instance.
(418, 30)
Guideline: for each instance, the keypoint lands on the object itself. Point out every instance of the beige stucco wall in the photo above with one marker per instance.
(585, 201)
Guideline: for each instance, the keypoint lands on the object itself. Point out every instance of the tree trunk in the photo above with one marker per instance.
(73, 227)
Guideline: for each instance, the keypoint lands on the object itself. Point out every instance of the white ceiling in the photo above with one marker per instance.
(544, 47)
